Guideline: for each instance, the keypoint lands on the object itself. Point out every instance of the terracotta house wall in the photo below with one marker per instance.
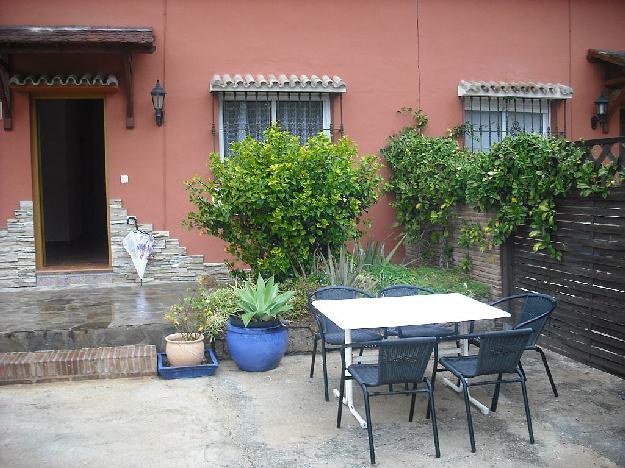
(391, 54)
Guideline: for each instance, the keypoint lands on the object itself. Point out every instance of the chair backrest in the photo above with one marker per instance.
(501, 351)
(333, 293)
(403, 360)
(530, 311)
(397, 290)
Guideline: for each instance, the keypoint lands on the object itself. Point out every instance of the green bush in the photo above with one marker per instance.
(218, 305)
(427, 181)
(520, 179)
(277, 202)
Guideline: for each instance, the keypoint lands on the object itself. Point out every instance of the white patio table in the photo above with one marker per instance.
(382, 312)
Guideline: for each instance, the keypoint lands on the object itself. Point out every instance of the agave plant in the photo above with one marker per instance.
(263, 301)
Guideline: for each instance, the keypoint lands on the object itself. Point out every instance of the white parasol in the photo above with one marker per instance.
(139, 246)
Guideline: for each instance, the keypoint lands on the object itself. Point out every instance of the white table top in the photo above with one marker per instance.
(423, 309)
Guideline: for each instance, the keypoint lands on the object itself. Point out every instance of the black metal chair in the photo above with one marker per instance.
(399, 361)
(500, 353)
(533, 311)
(410, 331)
(329, 333)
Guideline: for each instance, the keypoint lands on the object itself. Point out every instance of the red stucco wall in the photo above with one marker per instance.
(391, 54)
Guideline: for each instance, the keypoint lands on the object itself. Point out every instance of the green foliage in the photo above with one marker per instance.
(277, 202)
(219, 305)
(520, 179)
(427, 182)
(439, 279)
(303, 286)
(375, 254)
(187, 317)
(205, 312)
(263, 301)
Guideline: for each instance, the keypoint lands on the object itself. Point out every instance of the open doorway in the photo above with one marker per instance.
(72, 184)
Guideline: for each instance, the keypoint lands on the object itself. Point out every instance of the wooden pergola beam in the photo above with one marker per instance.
(5, 93)
(129, 90)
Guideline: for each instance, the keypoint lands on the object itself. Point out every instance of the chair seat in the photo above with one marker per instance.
(364, 374)
(412, 331)
(358, 336)
(476, 342)
(465, 366)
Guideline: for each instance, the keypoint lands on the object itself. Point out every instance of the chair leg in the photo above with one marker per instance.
(369, 428)
(314, 354)
(341, 396)
(527, 412)
(413, 398)
(493, 404)
(467, 405)
(521, 369)
(553, 385)
(325, 370)
(434, 425)
(434, 370)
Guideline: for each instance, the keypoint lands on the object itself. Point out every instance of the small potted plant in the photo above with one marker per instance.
(256, 338)
(186, 346)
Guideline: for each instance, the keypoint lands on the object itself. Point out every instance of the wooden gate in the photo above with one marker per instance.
(589, 282)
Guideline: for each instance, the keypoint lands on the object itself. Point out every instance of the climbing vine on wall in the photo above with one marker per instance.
(519, 180)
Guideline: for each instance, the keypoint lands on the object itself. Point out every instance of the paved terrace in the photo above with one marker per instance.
(86, 316)
(279, 419)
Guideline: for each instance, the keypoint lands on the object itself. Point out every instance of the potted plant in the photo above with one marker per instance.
(186, 346)
(256, 338)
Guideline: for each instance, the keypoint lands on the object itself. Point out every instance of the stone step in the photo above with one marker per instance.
(77, 364)
(71, 278)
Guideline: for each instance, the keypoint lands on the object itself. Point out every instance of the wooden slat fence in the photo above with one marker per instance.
(589, 282)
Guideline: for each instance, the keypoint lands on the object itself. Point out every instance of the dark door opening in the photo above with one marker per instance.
(74, 227)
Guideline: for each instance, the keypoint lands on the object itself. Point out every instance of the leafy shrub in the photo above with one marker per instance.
(427, 181)
(204, 312)
(218, 306)
(302, 286)
(277, 202)
(187, 317)
(520, 178)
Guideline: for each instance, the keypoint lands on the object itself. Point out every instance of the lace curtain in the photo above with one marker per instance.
(242, 118)
(301, 118)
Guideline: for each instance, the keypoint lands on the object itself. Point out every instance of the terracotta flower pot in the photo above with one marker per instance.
(184, 353)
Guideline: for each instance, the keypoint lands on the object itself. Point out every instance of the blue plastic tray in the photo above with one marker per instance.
(185, 372)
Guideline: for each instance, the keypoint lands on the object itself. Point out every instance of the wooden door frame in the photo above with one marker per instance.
(36, 176)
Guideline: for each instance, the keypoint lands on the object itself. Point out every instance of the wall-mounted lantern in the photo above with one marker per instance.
(601, 114)
(158, 100)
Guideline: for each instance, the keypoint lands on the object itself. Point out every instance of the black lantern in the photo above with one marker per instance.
(601, 114)
(158, 100)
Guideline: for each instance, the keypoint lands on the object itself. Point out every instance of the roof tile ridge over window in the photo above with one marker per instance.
(86, 79)
(522, 89)
(280, 82)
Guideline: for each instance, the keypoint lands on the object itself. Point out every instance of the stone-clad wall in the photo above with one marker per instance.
(169, 261)
(17, 249)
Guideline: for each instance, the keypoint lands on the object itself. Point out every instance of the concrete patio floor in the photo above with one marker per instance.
(279, 419)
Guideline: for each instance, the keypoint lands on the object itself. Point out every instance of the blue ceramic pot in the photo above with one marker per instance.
(258, 347)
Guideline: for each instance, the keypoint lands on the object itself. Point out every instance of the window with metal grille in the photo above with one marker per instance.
(487, 120)
(247, 113)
